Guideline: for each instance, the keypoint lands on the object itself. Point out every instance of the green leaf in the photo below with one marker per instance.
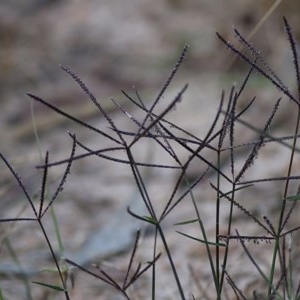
(202, 241)
(151, 220)
(293, 198)
(53, 287)
(1, 295)
(187, 222)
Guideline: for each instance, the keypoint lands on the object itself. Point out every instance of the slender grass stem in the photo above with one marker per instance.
(283, 205)
(175, 273)
(219, 288)
(61, 276)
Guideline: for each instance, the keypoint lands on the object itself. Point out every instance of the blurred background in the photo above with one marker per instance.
(113, 45)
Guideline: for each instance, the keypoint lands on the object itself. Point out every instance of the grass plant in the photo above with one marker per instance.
(280, 281)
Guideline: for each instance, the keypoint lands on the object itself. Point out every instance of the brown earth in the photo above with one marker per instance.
(115, 45)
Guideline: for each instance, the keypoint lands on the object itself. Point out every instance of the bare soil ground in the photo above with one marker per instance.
(115, 45)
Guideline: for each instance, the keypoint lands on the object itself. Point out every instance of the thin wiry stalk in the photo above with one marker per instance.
(168, 137)
(175, 157)
(172, 125)
(161, 234)
(201, 225)
(289, 213)
(270, 138)
(290, 231)
(138, 273)
(39, 220)
(169, 206)
(93, 99)
(45, 192)
(275, 293)
(258, 58)
(61, 276)
(112, 281)
(235, 289)
(214, 123)
(159, 132)
(188, 190)
(66, 115)
(153, 275)
(297, 123)
(246, 212)
(16, 176)
(231, 136)
(140, 184)
(226, 122)
(16, 219)
(261, 180)
(195, 140)
(63, 179)
(166, 147)
(228, 119)
(105, 278)
(134, 277)
(142, 218)
(257, 267)
(257, 68)
(283, 266)
(157, 120)
(142, 133)
(208, 250)
(194, 154)
(230, 216)
(217, 214)
(253, 154)
(98, 153)
(169, 255)
(146, 199)
(266, 219)
(293, 45)
(244, 83)
(221, 131)
(131, 258)
(255, 238)
(166, 85)
(44, 182)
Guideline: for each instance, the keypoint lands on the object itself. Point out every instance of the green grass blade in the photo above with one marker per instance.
(53, 287)
(1, 294)
(202, 241)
